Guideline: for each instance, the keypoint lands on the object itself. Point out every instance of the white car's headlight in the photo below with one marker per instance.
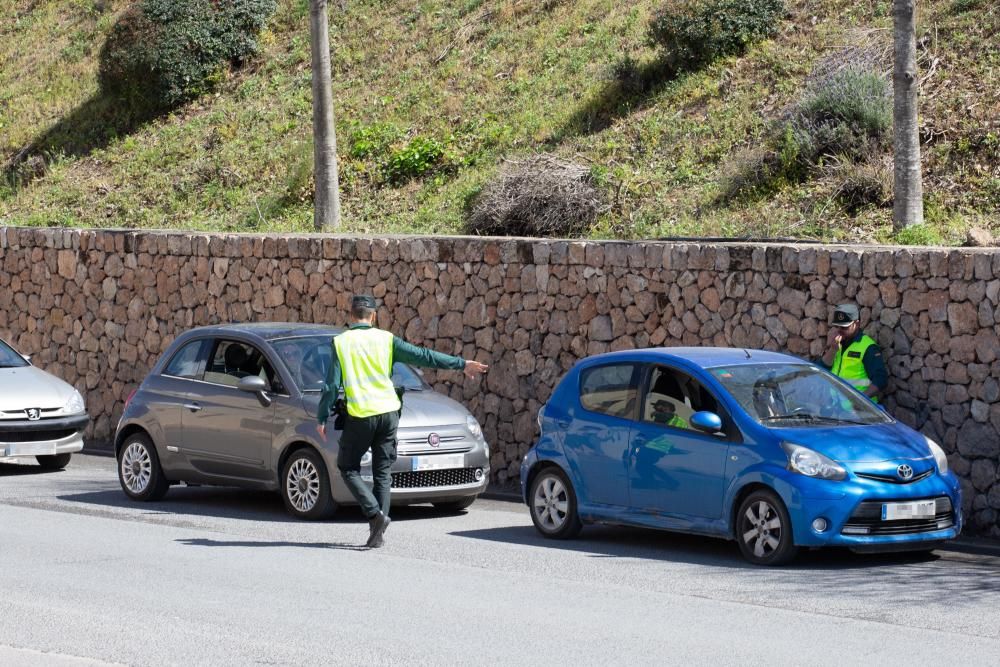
(939, 456)
(74, 404)
(812, 464)
(473, 426)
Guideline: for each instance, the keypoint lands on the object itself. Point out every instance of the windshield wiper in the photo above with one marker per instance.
(804, 416)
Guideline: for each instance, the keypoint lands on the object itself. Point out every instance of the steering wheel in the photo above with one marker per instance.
(311, 368)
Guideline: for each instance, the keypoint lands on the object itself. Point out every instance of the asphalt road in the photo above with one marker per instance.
(219, 576)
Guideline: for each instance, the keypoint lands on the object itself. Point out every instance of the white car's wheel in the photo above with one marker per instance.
(54, 461)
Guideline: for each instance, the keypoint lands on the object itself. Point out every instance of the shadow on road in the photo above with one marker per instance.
(202, 542)
(229, 503)
(13, 469)
(945, 569)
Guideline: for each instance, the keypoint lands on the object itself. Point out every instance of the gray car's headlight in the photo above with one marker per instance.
(812, 464)
(74, 404)
(939, 456)
(366, 460)
(473, 426)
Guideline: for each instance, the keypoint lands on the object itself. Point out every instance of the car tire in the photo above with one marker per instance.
(305, 486)
(455, 505)
(139, 471)
(764, 529)
(552, 504)
(54, 461)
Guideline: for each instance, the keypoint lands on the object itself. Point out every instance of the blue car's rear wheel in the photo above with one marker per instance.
(764, 529)
(553, 505)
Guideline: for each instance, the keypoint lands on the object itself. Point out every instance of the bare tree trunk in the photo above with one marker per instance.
(908, 202)
(326, 205)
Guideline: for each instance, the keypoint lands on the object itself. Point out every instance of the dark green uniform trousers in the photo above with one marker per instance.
(377, 433)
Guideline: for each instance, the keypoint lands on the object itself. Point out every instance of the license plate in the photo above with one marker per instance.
(920, 509)
(31, 449)
(437, 462)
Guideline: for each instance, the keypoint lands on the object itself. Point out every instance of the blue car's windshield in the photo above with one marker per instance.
(784, 395)
(9, 358)
(308, 360)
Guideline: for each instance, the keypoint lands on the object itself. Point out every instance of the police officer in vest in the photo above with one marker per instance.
(854, 356)
(361, 363)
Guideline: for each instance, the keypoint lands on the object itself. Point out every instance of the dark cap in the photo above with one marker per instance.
(845, 314)
(363, 301)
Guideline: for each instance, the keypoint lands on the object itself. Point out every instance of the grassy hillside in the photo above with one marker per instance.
(486, 81)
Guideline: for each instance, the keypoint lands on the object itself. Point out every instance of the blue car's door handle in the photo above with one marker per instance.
(193, 407)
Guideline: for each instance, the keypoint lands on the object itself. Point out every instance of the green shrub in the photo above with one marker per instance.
(168, 51)
(919, 235)
(373, 140)
(845, 116)
(847, 111)
(414, 159)
(696, 32)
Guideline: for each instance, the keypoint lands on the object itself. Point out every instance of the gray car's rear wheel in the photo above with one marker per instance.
(305, 486)
(552, 504)
(764, 529)
(54, 461)
(139, 470)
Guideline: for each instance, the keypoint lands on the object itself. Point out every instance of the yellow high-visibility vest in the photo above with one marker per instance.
(365, 357)
(848, 363)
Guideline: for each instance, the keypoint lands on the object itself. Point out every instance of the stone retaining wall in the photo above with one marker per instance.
(97, 308)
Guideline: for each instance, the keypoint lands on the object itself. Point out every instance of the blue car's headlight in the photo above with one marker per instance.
(939, 456)
(812, 464)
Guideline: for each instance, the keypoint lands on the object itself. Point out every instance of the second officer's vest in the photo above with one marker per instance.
(848, 363)
(366, 366)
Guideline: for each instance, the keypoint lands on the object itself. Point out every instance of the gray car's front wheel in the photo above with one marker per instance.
(139, 470)
(305, 486)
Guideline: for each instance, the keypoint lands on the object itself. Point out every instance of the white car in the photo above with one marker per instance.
(40, 415)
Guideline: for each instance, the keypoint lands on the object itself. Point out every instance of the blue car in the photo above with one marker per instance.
(760, 447)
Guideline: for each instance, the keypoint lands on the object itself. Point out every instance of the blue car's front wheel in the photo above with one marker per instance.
(764, 529)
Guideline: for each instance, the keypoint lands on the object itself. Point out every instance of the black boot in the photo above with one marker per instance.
(376, 527)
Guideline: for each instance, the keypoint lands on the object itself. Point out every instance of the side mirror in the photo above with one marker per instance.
(706, 422)
(254, 384)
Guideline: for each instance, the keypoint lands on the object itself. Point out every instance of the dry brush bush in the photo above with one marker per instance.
(539, 196)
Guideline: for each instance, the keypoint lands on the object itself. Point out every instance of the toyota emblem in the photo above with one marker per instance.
(34, 414)
(904, 471)
(433, 440)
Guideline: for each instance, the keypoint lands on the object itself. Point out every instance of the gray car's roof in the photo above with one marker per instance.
(272, 330)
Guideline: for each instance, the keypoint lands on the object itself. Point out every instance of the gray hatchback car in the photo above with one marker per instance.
(235, 405)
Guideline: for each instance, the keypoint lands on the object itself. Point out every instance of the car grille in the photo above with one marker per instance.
(893, 479)
(867, 520)
(429, 478)
(36, 436)
(447, 443)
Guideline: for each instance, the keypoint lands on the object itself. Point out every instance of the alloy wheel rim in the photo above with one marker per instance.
(551, 503)
(136, 467)
(303, 485)
(762, 529)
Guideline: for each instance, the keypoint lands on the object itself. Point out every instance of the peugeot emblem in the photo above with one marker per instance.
(904, 471)
(34, 414)
(433, 440)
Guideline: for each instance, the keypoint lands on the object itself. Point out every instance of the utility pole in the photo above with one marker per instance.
(326, 203)
(908, 200)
